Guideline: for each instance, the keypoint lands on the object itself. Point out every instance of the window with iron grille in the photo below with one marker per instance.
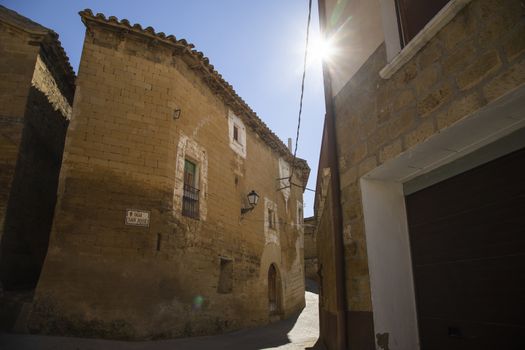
(190, 198)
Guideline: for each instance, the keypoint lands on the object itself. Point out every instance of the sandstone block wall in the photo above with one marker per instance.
(36, 96)
(326, 266)
(310, 249)
(124, 149)
(17, 62)
(476, 58)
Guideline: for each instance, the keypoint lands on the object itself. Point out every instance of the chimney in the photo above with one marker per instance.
(290, 144)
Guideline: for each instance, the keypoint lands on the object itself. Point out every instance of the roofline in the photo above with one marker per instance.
(201, 64)
(49, 39)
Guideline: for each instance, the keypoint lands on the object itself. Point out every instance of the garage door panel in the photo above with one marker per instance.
(467, 239)
(496, 229)
(441, 334)
(485, 184)
(492, 290)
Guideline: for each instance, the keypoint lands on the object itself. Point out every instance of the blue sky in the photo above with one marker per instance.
(257, 46)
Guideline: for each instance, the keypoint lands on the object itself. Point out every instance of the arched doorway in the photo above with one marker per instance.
(274, 286)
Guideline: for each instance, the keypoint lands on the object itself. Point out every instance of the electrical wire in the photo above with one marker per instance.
(302, 92)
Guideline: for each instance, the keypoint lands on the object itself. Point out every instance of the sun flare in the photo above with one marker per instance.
(320, 49)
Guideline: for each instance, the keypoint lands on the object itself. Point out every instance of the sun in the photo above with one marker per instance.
(320, 49)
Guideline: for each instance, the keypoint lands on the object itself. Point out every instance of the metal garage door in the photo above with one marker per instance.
(467, 237)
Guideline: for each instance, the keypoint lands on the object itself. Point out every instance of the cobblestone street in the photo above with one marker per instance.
(298, 332)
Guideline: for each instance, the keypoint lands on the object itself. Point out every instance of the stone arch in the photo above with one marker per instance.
(275, 305)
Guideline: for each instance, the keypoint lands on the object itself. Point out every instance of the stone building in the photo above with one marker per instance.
(420, 188)
(36, 93)
(310, 249)
(153, 233)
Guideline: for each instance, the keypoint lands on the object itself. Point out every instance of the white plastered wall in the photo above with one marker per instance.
(386, 226)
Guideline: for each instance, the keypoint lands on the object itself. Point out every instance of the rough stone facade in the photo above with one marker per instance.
(475, 59)
(36, 92)
(310, 249)
(326, 263)
(125, 149)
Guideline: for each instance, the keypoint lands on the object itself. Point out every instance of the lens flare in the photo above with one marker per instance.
(320, 49)
(197, 302)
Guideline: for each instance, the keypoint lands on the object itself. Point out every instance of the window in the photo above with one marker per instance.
(191, 180)
(225, 276)
(271, 219)
(410, 24)
(284, 179)
(237, 134)
(413, 15)
(159, 241)
(271, 223)
(190, 198)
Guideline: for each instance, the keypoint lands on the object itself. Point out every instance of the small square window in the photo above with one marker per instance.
(271, 218)
(236, 133)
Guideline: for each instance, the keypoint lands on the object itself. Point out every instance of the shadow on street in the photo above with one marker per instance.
(298, 332)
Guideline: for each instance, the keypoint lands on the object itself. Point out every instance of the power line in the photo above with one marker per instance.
(302, 91)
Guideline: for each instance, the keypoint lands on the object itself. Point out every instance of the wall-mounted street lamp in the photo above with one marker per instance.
(253, 198)
(176, 114)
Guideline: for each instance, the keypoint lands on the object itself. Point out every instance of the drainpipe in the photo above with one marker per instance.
(337, 217)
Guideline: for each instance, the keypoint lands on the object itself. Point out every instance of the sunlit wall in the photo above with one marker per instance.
(354, 30)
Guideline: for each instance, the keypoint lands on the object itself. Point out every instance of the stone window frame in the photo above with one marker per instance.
(284, 182)
(189, 149)
(271, 234)
(397, 57)
(237, 145)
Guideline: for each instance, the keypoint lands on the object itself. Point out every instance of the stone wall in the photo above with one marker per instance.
(36, 104)
(310, 249)
(123, 151)
(17, 62)
(327, 278)
(476, 58)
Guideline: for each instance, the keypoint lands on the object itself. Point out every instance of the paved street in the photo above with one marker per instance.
(296, 333)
